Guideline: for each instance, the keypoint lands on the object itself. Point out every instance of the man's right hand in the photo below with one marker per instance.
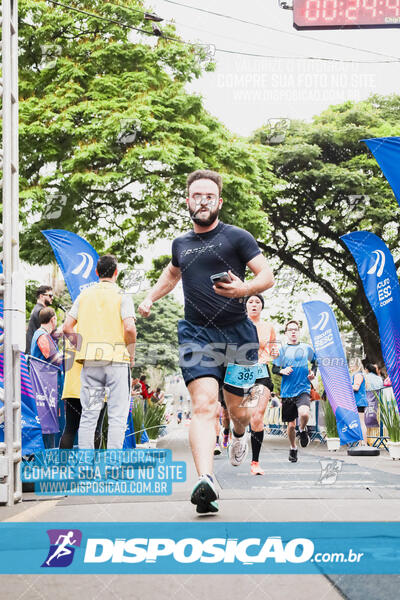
(286, 371)
(145, 307)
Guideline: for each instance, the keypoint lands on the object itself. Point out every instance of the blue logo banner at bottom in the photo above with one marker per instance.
(207, 548)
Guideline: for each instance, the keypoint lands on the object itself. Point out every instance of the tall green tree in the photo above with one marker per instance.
(329, 185)
(159, 264)
(108, 132)
(157, 344)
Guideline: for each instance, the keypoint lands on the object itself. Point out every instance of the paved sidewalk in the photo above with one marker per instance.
(366, 489)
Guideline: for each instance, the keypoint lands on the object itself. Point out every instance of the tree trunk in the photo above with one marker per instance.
(371, 341)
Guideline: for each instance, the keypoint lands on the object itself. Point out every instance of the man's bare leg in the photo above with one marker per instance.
(304, 416)
(204, 395)
(239, 412)
(291, 431)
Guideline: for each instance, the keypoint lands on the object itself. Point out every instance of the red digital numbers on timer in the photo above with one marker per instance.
(328, 11)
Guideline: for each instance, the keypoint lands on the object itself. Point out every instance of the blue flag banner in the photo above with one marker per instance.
(332, 364)
(32, 440)
(219, 548)
(387, 154)
(44, 377)
(378, 274)
(76, 258)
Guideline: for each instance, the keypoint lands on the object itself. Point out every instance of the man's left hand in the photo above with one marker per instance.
(311, 376)
(235, 289)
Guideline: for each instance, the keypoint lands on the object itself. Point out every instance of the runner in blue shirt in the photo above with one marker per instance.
(293, 365)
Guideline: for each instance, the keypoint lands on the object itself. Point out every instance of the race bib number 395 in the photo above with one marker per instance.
(241, 376)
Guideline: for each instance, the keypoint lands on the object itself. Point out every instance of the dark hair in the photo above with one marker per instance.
(106, 266)
(371, 368)
(215, 177)
(43, 289)
(292, 321)
(142, 377)
(46, 314)
(257, 296)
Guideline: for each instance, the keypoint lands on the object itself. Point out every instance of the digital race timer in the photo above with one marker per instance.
(335, 14)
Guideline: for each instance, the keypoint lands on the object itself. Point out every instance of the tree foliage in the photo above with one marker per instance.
(329, 185)
(157, 344)
(108, 133)
(159, 264)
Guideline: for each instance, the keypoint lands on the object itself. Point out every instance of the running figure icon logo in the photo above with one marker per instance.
(62, 547)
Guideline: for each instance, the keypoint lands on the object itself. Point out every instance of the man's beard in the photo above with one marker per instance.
(47, 302)
(204, 222)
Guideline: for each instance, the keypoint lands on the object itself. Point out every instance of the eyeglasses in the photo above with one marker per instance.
(209, 198)
(291, 330)
(50, 295)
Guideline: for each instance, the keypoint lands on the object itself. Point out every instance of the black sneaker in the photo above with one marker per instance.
(293, 455)
(304, 438)
(205, 496)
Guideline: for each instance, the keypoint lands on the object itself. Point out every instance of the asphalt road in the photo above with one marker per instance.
(319, 487)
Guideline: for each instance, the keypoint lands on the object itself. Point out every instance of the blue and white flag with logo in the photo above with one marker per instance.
(378, 274)
(332, 364)
(76, 258)
(387, 154)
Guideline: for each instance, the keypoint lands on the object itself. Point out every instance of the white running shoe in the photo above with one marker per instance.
(238, 449)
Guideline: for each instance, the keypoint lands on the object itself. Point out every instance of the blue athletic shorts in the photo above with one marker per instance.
(206, 351)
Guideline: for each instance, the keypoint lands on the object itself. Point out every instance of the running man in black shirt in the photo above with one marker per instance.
(216, 336)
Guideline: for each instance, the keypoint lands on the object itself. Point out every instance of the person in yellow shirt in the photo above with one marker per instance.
(105, 340)
(73, 408)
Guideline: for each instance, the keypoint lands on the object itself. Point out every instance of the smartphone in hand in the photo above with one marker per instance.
(223, 277)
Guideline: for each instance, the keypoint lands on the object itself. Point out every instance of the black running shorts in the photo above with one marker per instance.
(290, 406)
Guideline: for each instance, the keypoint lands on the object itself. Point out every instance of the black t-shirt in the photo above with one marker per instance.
(32, 326)
(200, 255)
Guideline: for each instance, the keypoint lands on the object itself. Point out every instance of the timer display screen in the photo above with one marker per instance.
(335, 14)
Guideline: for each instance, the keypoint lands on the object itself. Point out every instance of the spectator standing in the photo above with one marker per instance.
(44, 297)
(358, 382)
(43, 345)
(105, 326)
(45, 348)
(71, 395)
(373, 380)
